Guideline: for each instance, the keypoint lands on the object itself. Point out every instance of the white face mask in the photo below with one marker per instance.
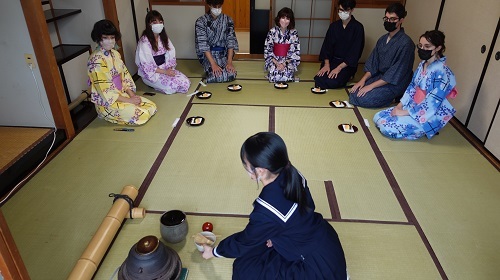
(216, 11)
(157, 27)
(344, 15)
(108, 44)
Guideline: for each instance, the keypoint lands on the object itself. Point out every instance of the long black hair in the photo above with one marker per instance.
(148, 32)
(268, 150)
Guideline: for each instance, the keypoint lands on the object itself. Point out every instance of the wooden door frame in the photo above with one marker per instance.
(110, 13)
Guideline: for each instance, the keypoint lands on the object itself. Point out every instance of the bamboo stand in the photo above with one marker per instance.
(87, 265)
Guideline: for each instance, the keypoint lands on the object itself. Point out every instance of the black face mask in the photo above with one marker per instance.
(424, 54)
(390, 26)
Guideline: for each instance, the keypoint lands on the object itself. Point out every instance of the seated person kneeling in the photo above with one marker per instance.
(112, 87)
(341, 50)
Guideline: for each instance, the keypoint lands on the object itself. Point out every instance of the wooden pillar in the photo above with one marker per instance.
(11, 264)
(49, 70)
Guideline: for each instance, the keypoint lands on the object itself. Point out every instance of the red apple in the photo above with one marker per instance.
(207, 227)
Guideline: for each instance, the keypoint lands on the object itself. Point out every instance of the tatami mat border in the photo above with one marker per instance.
(332, 200)
(200, 214)
(275, 106)
(399, 194)
(156, 165)
(272, 119)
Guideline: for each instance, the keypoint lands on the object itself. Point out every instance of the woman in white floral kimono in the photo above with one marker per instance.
(282, 48)
(155, 58)
(112, 87)
(424, 108)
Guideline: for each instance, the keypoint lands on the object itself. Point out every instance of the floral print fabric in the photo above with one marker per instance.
(430, 115)
(144, 58)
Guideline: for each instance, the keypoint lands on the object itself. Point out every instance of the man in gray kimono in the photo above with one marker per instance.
(216, 43)
(388, 70)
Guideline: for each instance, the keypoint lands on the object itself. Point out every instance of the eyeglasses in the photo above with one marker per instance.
(392, 19)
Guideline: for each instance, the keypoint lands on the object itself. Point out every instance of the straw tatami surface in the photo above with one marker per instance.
(424, 209)
(17, 141)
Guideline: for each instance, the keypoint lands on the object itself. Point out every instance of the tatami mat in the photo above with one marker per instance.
(318, 192)
(17, 141)
(449, 140)
(382, 252)
(190, 67)
(202, 171)
(97, 162)
(250, 69)
(307, 70)
(54, 216)
(372, 251)
(451, 189)
(254, 70)
(264, 93)
(456, 201)
(322, 152)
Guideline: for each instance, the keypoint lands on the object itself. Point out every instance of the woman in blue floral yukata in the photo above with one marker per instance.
(424, 108)
(282, 48)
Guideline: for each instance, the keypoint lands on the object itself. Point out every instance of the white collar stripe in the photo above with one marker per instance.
(275, 211)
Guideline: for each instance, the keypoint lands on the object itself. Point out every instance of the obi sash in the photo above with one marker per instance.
(420, 94)
(159, 59)
(280, 49)
(117, 81)
(217, 49)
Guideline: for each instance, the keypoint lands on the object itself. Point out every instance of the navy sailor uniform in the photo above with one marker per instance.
(305, 246)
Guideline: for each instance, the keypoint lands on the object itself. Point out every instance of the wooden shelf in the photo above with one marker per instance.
(56, 14)
(66, 52)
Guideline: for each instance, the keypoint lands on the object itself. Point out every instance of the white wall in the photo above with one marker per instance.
(422, 16)
(19, 101)
(179, 24)
(76, 29)
(374, 28)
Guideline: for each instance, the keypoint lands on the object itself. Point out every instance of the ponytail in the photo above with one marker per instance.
(294, 187)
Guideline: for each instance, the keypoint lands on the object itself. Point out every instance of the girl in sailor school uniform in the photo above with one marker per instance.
(285, 238)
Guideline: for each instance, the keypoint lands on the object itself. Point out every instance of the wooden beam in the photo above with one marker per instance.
(111, 14)
(11, 264)
(42, 45)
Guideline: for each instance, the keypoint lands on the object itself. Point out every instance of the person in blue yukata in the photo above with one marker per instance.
(216, 43)
(341, 49)
(388, 70)
(424, 108)
(285, 238)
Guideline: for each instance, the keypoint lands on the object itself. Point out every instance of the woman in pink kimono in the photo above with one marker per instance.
(155, 58)
(282, 48)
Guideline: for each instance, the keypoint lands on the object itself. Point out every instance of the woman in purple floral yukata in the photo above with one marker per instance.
(155, 57)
